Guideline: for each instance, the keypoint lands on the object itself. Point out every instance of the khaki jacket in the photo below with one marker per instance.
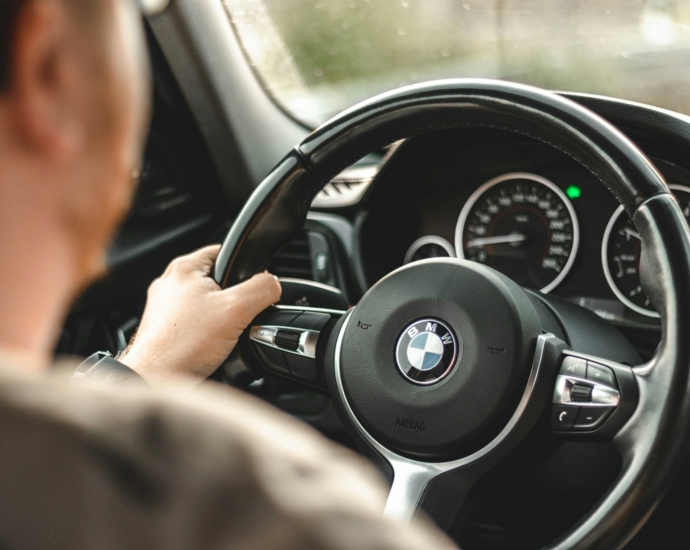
(84, 467)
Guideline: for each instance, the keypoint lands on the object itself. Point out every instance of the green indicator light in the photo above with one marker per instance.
(573, 192)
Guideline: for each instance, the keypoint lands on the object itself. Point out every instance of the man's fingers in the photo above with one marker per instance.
(200, 260)
(204, 256)
(251, 297)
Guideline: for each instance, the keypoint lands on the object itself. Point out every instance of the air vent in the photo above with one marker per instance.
(162, 188)
(310, 257)
(294, 260)
(348, 187)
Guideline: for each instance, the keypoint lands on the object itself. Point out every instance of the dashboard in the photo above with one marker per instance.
(518, 206)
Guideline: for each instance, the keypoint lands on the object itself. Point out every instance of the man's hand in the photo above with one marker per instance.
(190, 325)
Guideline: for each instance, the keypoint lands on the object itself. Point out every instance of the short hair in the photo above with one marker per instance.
(9, 10)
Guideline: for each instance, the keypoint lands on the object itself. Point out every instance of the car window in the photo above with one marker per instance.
(316, 57)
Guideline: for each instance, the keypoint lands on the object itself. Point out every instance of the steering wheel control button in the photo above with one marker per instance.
(605, 396)
(302, 368)
(311, 321)
(287, 340)
(278, 317)
(563, 417)
(290, 339)
(590, 418)
(581, 393)
(575, 367)
(264, 335)
(273, 359)
(600, 374)
(426, 351)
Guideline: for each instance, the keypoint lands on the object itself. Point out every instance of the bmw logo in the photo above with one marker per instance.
(426, 351)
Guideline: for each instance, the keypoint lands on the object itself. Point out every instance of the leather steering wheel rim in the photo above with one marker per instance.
(653, 442)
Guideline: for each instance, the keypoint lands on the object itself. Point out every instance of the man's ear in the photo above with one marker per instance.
(42, 80)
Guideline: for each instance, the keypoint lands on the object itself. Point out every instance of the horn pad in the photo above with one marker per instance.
(436, 357)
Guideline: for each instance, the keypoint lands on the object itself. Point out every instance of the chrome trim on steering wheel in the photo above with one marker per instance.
(265, 335)
(410, 477)
(602, 395)
(311, 309)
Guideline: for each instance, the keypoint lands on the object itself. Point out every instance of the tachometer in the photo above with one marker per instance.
(522, 225)
(620, 255)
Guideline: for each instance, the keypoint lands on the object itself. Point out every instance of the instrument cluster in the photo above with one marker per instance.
(526, 226)
(520, 207)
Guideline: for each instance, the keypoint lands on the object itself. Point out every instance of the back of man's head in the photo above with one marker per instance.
(73, 116)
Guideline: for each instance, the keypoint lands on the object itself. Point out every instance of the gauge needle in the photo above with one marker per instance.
(632, 233)
(498, 239)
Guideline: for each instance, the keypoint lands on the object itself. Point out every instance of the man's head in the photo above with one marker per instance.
(73, 112)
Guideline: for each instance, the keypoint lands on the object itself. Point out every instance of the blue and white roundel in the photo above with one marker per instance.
(427, 351)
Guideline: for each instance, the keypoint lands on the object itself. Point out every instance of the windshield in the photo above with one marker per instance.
(316, 57)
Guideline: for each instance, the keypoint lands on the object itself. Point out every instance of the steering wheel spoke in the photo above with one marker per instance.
(445, 492)
(593, 398)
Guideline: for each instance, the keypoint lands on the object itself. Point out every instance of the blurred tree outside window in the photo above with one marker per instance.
(316, 57)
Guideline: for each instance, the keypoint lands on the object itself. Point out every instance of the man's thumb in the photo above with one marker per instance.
(251, 297)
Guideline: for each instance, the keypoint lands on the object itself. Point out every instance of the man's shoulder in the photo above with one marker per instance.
(73, 449)
(150, 469)
(113, 430)
(142, 423)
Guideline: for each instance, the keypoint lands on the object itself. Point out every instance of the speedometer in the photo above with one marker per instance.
(620, 256)
(522, 225)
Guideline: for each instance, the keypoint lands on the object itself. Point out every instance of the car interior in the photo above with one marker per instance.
(402, 190)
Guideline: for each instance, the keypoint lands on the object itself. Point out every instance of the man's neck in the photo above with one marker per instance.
(21, 360)
(36, 281)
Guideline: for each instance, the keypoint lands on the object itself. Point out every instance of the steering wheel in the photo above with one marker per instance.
(445, 368)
